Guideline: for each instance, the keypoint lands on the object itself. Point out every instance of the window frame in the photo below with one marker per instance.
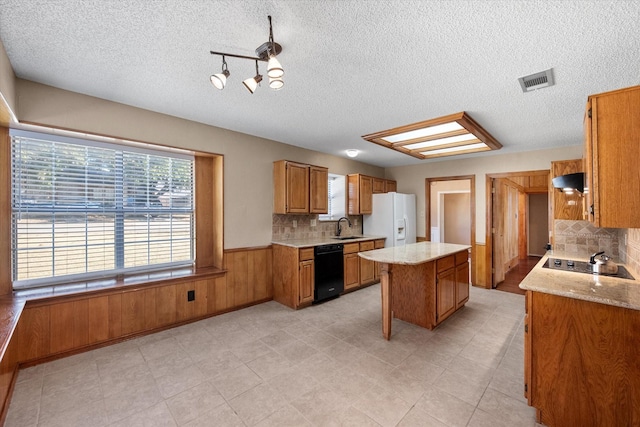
(121, 147)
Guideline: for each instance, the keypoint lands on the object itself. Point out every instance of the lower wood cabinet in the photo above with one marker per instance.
(581, 362)
(367, 268)
(462, 279)
(351, 266)
(452, 284)
(293, 275)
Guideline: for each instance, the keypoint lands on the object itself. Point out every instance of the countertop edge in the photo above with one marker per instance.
(582, 286)
(393, 259)
(302, 243)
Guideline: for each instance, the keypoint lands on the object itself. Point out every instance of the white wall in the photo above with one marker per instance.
(411, 178)
(248, 160)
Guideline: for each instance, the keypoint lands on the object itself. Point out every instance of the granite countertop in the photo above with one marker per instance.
(317, 241)
(412, 254)
(589, 287)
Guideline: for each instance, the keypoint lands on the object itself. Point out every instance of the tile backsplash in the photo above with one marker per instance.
(581, 237)
(283, 229)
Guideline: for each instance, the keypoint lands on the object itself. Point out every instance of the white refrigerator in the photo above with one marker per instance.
(394, 217)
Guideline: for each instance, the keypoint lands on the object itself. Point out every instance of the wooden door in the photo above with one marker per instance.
(306, 281)
(297, 188)
(505, 227)
(318, 190)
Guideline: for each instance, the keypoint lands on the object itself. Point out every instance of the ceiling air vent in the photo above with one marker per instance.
(536, 81)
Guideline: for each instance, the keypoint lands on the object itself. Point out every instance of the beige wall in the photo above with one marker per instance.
(443, 186)
(7, 80)
(411, 178)
(248, 160)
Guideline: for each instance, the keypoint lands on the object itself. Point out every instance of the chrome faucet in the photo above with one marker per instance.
(339, 230)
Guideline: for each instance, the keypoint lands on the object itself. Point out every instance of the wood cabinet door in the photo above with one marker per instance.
(445, 294)
(565, 205)
(379, 185)
(366, 194)
(588, 166)
(318, 190)
(297, 188)
(351, 270)
(527, 348)
(390, 186)
(306, 281)
(462, 284)
(367, 271)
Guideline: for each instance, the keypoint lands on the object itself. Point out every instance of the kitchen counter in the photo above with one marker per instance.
(317, 241)
(413, 254)
(421, 283)
(589, 287)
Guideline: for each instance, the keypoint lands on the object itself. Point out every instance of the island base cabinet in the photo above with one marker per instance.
(581, 362)
(426, 294)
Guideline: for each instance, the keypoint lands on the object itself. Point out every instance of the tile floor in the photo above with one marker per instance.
(267, 365)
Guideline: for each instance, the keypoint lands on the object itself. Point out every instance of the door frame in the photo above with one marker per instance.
(489, 215)
(472, 212)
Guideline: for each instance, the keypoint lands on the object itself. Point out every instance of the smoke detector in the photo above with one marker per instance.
(536, 81)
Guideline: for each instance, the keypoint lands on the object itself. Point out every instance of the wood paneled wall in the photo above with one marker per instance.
(55, 327)
(480, 266)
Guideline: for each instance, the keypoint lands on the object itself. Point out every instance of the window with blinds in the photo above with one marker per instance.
(87, 209)
(337, 198)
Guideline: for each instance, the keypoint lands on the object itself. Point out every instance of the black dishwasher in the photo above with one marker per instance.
(329, 271)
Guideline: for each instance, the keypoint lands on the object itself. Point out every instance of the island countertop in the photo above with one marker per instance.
(414, 253)
(589, 287)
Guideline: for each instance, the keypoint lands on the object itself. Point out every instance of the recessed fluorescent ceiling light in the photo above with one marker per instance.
(445, 136)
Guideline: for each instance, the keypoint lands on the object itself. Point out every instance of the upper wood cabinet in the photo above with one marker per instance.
(360, 194)
(318, 190)
(390, 186)
(379, 185)
(612, 150)
(299, 188)
(565, 205)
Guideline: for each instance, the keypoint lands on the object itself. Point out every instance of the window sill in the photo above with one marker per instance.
(119, 284)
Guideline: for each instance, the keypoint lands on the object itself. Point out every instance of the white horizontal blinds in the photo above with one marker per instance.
(86, 210)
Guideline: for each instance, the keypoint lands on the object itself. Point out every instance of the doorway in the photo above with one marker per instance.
(450, 212)
(517, 225)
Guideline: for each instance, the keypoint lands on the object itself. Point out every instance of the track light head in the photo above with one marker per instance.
(220, 79)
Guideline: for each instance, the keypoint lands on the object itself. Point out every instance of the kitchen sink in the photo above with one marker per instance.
(346, 237)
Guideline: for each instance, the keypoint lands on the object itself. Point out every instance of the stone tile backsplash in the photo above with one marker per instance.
(581, 237)
(283, 229)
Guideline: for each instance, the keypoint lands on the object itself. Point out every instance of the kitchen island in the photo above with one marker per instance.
(581, 344)
(421, 283)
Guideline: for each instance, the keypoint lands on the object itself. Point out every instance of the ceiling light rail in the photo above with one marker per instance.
(266, 52)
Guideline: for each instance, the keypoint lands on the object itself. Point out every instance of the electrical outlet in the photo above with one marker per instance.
(313, 222)
(355, 221)
(191, 295)
(295, 223)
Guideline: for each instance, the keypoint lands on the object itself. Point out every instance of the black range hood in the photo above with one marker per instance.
(573, 181)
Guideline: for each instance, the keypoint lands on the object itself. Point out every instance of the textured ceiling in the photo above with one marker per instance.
(351, 67)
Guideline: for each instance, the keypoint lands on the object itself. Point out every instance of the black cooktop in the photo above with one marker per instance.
(582, 267)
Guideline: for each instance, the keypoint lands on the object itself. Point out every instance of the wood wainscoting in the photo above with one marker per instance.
(480, 267)
(55, 327)
(59, 326)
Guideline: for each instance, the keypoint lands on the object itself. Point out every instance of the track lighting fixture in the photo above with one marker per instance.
(220, 79)
(266, 52)
(252, 83)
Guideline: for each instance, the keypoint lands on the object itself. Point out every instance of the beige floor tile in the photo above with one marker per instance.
(320, 405)
(507, 408)
(220, 416)
(236, 381)
(382, 406)
(156, 416)
(287, 416)
(445, 408)
(257, 404)
(460, 386)
(325, 365)
(179, 380)
(418, 418)
(195, 402)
